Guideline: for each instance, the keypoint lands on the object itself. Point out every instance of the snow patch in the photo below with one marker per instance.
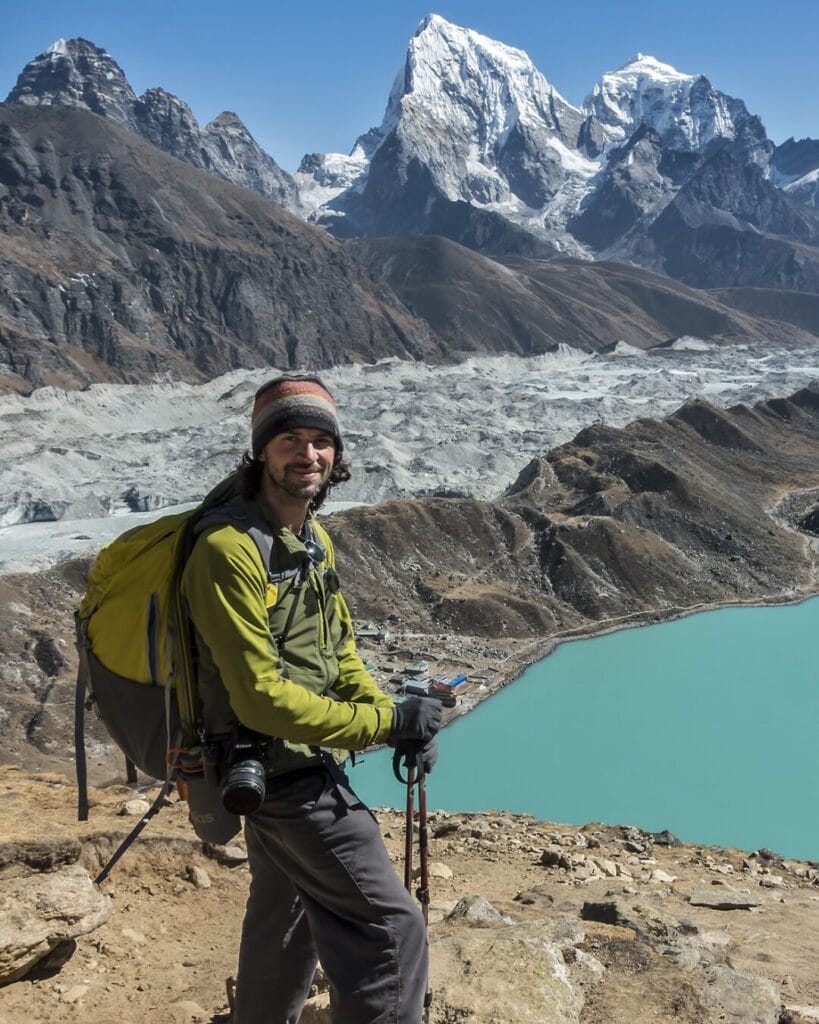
(58, 48)
(690, 344)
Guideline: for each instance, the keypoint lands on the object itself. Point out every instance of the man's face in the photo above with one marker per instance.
(299, 461)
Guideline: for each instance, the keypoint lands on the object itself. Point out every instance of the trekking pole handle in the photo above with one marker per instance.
(417, 764)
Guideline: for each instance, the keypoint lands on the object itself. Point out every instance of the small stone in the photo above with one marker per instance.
(555, 857)
(724, 900)
(535, 898)
(772, 881)
(74, 994)
(435, 870)
(229, 856)
(446, 828)
(607, 867)
(133, 936)
(588, 967)
(665, 838)
(803, 1014)
(188, 1012)
(477, 910)
(135, 808)
(662, 876)
(199, 877)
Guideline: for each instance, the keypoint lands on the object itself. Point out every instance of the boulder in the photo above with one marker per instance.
(488, 975)
(740, 999)
(38, 912)
(642, 918)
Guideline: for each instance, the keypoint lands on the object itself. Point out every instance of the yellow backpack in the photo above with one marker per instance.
(137, 658)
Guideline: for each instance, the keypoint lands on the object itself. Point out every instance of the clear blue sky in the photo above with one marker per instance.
(311, 76)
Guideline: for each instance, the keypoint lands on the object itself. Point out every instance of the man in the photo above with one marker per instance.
(278, 666)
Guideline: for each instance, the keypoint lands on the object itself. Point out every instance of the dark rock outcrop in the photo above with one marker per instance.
(730, 227)
(118, 262)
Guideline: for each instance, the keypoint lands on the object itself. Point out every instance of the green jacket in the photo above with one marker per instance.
(236, 615)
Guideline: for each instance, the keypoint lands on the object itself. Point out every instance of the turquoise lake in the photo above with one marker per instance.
(707, 726)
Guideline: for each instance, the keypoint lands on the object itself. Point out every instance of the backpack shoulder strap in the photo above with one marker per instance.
(255, 527)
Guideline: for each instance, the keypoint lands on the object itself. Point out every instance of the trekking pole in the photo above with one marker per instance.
(410, 828)
(413, 766)
(155, 808)
(422, 892)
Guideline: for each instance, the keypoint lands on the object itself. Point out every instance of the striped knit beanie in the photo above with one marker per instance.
(293, 400)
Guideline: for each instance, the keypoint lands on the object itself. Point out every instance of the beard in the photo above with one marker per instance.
(289, 481)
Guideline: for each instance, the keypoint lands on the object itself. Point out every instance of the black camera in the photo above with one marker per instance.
(243, 783)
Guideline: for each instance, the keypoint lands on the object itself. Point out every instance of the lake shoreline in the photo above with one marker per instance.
(651, 617)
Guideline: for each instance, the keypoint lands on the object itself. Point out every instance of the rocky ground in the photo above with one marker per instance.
(530, 921)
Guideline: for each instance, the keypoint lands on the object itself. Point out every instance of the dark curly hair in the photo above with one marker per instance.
(250, 470)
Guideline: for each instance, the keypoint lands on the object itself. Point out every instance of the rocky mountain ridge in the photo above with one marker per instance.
(118, 262)
(473, 132)
(76, 73)
(477, 145)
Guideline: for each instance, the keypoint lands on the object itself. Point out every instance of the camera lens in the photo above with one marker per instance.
(244, 789)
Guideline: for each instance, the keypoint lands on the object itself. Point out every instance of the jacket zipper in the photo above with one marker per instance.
(324, 632)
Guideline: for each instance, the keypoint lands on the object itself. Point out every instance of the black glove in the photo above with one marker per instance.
(417, 719)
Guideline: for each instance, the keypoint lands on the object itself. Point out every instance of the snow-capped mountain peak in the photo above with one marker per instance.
(643, 91)
(644, 65)
(76, 73)
(685, 110)
(456, 76)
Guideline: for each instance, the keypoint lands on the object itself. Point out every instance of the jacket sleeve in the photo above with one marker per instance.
(224, 587)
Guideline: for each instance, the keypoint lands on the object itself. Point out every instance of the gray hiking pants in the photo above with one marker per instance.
(322, 887)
